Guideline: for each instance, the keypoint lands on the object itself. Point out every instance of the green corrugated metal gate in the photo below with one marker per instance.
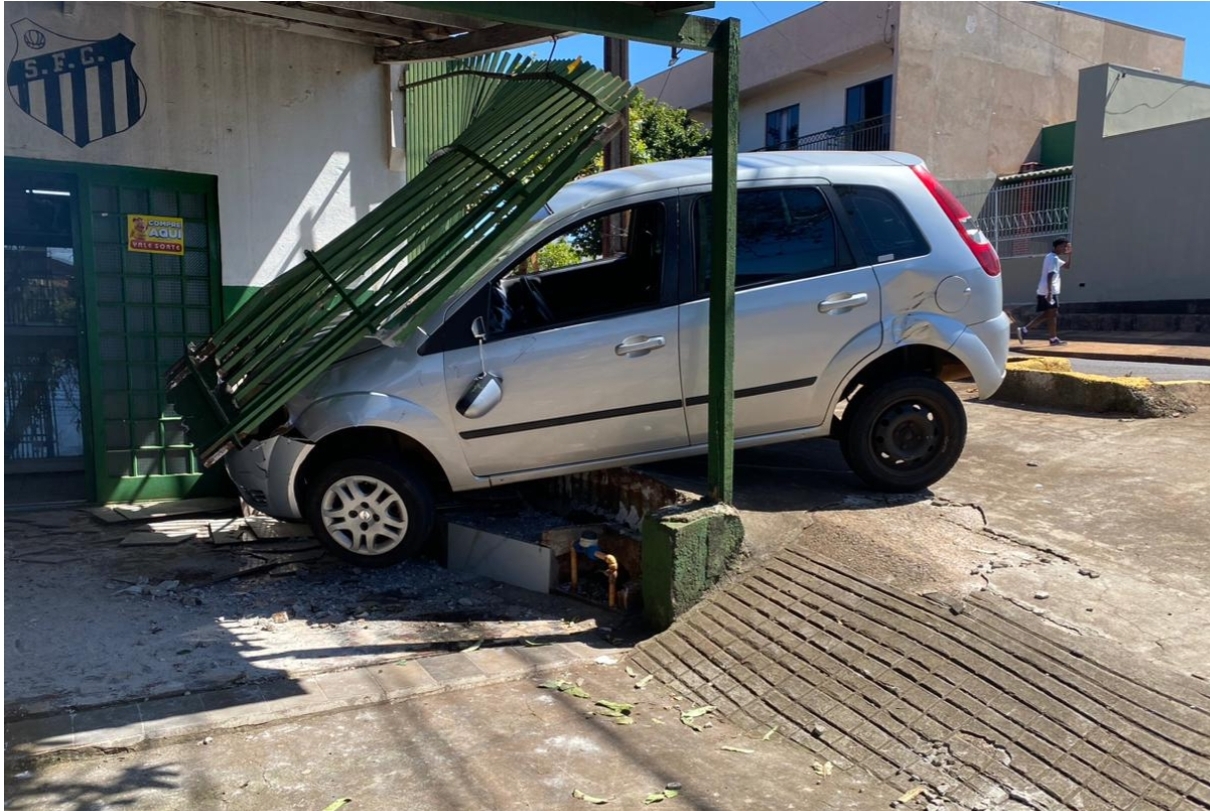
(539, 124)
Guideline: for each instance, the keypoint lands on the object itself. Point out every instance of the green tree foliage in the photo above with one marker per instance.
(664, 133)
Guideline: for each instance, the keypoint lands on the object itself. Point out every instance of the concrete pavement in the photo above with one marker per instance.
(1157, 347)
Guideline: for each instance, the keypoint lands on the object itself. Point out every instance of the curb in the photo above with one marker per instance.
(162, 721)
(1122, 357)
(1050, 383)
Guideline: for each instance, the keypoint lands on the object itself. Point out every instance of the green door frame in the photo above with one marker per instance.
(102, 486)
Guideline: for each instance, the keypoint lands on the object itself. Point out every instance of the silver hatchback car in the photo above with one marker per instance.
(860, 281)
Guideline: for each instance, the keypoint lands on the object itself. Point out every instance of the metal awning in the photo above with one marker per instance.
(411, 32)
(1054, 171)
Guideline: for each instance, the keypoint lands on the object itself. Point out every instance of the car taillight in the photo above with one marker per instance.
(962, 220)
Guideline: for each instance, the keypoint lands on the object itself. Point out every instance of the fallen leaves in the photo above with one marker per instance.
(569, 687)
(823, 769)
(660, 796)
(689, 717)
(341, 803)
(588, 798)
(643, 682)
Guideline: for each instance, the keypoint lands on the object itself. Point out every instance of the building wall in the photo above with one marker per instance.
(1135, 101)
(1141, 207)
(820, 96)
(976, 82)
(807, 43)
(296, 128)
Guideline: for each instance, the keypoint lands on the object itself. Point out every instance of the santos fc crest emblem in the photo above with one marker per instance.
(85, 90)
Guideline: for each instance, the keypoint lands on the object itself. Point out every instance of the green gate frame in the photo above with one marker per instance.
(676, 29)
(102, 487)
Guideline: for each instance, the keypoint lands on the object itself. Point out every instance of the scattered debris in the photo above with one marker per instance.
(911, 794)
(689, 717)
(1031, 464)
(739, 749)
(474, 646)
(660, 796)
(1041, 595)
(271, 528)
(823, 769)
(280, 617)
(588, 798)
(122, 513)
(341, 803)
(643, 682)
(571, 688)
(154, 536)
(631, 672)
(606, 660)
(773, 730)
(817, 730)
(206, 741)
(1090, 573)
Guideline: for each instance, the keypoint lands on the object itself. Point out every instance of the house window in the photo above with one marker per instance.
(865, 101)
(781, 126)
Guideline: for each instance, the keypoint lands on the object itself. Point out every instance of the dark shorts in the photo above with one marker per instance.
(1043, 305)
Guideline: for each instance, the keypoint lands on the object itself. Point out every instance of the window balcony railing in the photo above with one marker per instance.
(871, 135)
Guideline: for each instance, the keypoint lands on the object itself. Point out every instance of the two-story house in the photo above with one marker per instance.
(968, 86)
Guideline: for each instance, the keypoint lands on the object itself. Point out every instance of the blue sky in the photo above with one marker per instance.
(1185, 19)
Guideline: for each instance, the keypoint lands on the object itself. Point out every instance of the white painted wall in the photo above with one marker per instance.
(820, 96)
(296, 128)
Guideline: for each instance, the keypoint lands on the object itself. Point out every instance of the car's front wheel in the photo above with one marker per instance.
(903, 434)
(371, 512)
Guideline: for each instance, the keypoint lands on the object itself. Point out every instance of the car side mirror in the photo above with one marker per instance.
(486, 390)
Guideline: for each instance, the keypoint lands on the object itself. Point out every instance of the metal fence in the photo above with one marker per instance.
(871, 135)
(1023, 218)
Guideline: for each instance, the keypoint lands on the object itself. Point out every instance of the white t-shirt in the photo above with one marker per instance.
(1051, 264)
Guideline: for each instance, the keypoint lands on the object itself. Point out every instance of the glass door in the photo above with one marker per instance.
(45, 428)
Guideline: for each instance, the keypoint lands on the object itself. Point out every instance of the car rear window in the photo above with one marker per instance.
(782, 234)
(883, 226)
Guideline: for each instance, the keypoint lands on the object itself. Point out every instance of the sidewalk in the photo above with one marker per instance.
(1150, 347)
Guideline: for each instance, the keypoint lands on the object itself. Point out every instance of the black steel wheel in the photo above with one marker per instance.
(903, 434)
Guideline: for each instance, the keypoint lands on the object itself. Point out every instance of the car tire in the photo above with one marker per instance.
(904, 434)
(372, 512)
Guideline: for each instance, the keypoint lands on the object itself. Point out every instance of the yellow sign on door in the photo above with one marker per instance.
(148, 234)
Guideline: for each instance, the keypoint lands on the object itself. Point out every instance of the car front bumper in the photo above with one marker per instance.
(264, 474)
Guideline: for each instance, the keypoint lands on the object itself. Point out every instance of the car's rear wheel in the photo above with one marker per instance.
(903, 434)
(372, 512)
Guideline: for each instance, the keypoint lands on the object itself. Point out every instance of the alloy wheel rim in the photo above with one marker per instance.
(364, 514)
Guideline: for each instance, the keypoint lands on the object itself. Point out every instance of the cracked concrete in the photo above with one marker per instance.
(1039, 502)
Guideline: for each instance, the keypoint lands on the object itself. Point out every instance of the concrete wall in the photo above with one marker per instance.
(1135, 101)
(976, 82)
(1141, 204)
(296, 128)
(807, 43)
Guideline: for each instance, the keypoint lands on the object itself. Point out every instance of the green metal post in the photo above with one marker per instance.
(725, 113)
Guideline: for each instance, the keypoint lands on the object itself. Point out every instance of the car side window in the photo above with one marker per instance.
(781, 234)
(883, 226)
(606, 264)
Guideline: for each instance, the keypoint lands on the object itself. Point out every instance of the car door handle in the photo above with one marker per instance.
(638, 345)
(843, 302)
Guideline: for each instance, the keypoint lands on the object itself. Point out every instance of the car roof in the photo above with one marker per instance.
(652, 177)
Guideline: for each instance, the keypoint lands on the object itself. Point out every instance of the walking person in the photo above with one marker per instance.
(1049, 286)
